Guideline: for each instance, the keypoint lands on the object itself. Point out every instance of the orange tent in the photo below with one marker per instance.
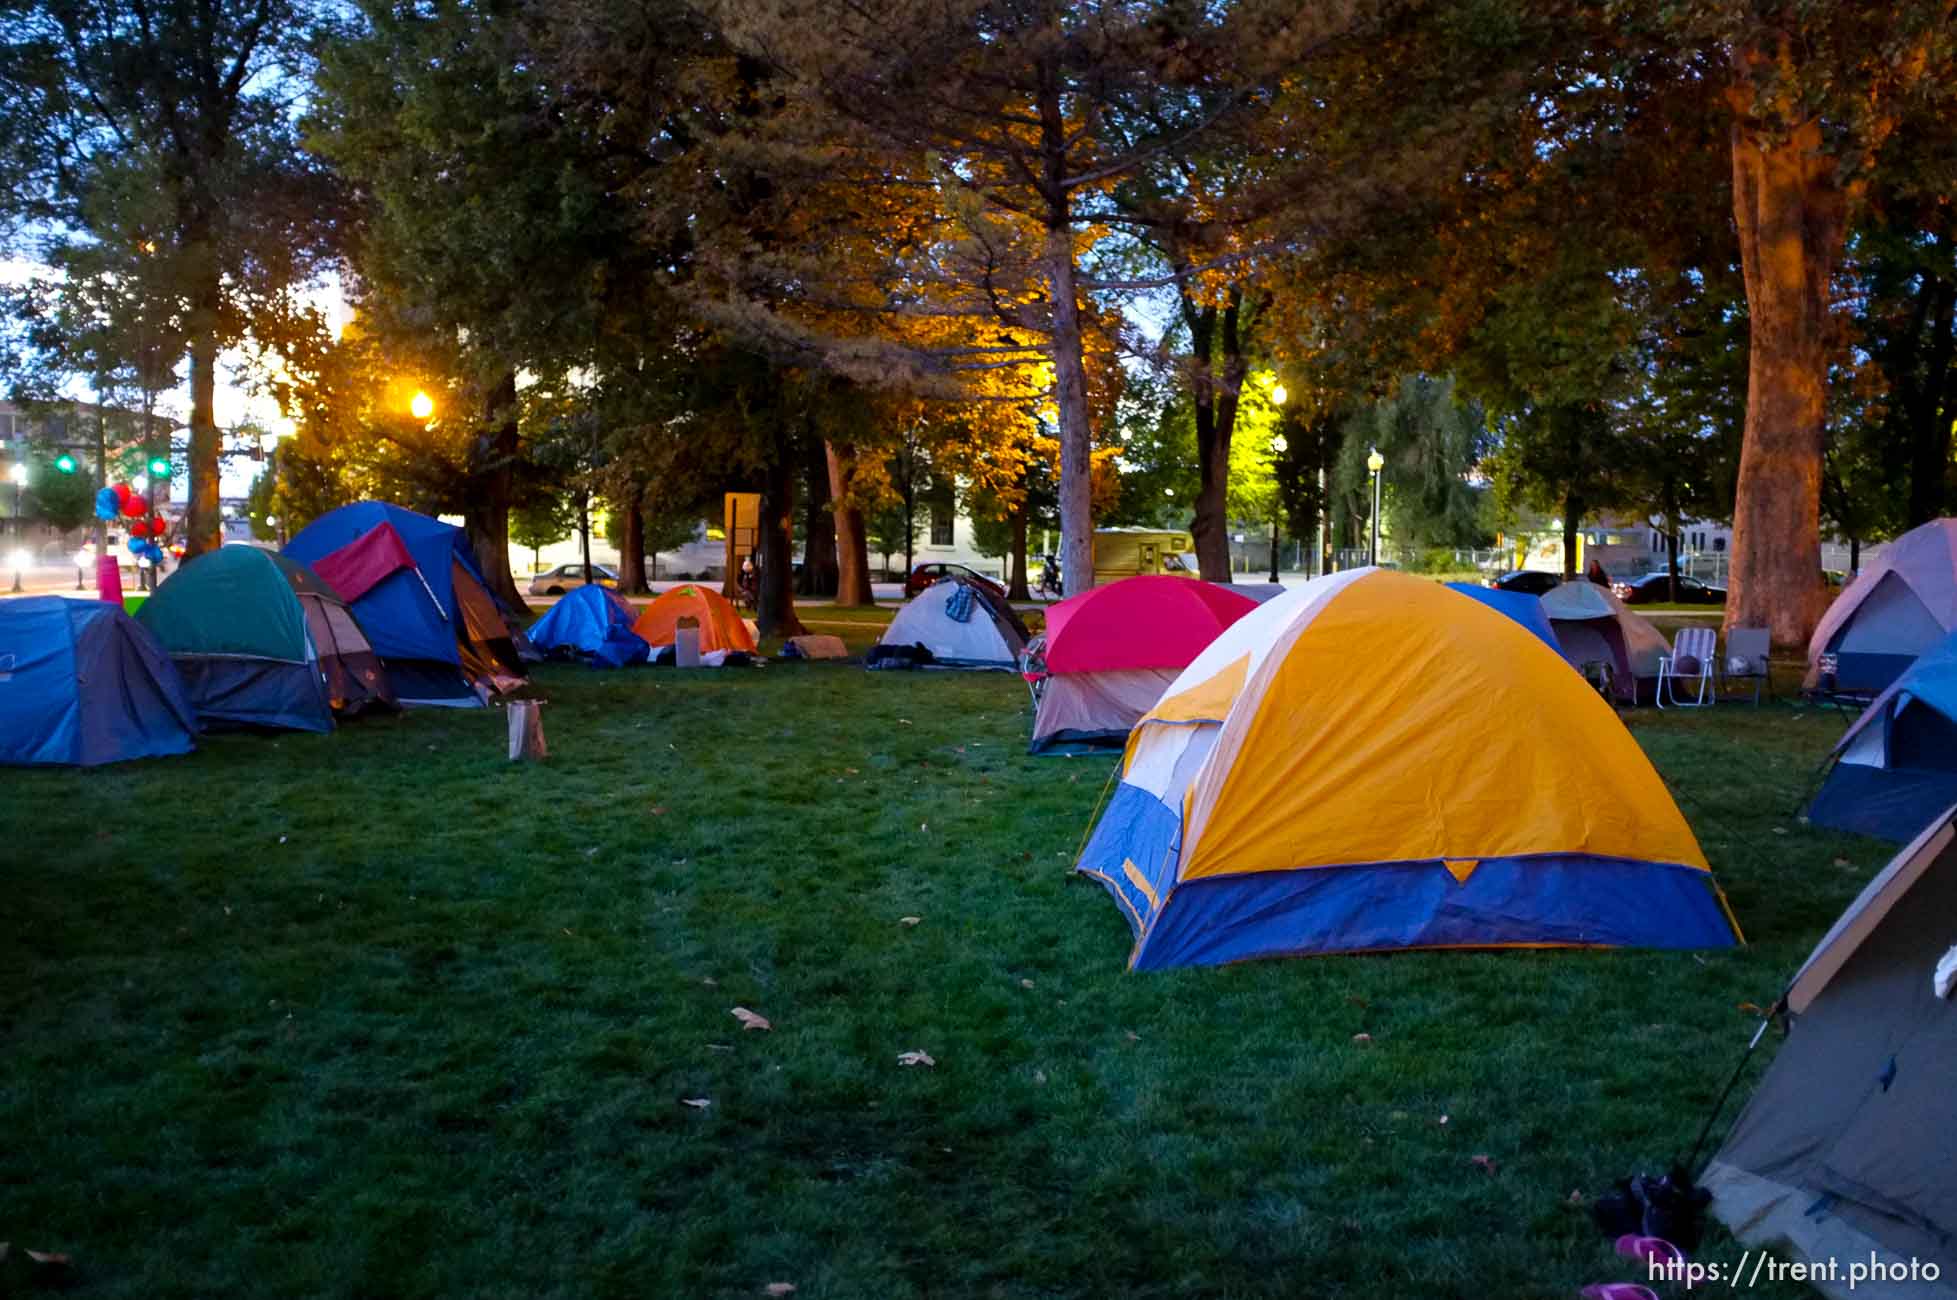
(720, 623)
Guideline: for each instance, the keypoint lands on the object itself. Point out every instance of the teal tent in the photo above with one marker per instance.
(262, 642)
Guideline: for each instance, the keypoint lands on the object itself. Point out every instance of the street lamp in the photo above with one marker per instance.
(421, 405)
(1375, 462)
(19, 475)
(1278, 446)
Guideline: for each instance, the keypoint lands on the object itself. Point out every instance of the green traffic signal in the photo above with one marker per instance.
(65, 463)
(159, 468)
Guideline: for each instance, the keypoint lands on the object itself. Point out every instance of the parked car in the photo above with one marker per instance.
(1650, 587)
(557, 581)
(926, 574)
(1530, 582)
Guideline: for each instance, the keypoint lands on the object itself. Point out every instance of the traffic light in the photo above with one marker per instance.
(159, 467)
(65, 463)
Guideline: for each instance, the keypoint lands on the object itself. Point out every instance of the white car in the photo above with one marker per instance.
(557, 581)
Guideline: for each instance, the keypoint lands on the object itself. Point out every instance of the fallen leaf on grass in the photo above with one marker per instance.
(698, 1103)
(1576, 1196)
(1364, 1040)
(924, 826)
(915, 1058)
(1442, 1120)
(5, 1246)
(779, 1288)
(1485, 1162)
(1026, 984)
(903, 722)
(749, 1020)
(909, 920)
(710, 981)
(1039, 1077)
(1751, 1009)
(720, 1047)
(47, 1257)
(1841, 862)
(1134, 1037)
(658, 811)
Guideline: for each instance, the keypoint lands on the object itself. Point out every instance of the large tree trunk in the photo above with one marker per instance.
(821, 568)
(632, 547)
(1016, 589)
(775, 602)
(1076, 435)
(204, 521)
(852, 540)
(1790, 209)
(492, 486)
(1209, 523)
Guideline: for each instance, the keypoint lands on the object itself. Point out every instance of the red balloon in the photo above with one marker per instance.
(159, 526)
(135, 507)
(123, 494)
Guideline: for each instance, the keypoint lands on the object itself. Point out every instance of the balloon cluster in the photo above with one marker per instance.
(123, 502)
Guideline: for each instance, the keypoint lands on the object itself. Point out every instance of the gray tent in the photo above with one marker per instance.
(1848, 1150)
(1898, 606)
(962, 624)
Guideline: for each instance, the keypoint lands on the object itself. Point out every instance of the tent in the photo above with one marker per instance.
(590, 622)
(261, 641)
(1375, 762)
(1109, 653)
(720, 624)
(1843, 1152)
(1895, 768)
(1591, 624)
(962, 624)
(419, 594)
(1519, 605)
(81, 682)
(1903, 603)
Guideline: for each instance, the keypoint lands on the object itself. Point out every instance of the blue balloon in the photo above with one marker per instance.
(136, 546)
(104, 512)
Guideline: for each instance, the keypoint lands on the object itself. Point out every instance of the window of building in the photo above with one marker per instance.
(1718, 543)
(941, 517)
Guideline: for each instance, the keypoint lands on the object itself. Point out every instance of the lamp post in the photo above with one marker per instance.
(19, 475)
(1375, 462)
(1279, 395)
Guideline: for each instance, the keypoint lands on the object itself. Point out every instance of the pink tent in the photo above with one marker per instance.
(1109, 654)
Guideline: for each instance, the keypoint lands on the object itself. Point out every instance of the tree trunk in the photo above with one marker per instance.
(1929, 426)
(1671, 554)
(821, 566)
(584, 531)
(1790, 210)
(204, 520)
(852, 540)
(775, 602)
(1016, 588)
(632, 547)
(492, 485)
(1209, 524)
(1076, 435)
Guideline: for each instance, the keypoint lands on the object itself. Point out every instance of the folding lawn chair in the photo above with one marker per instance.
(1692, 660)
(1746, 660)
(1032, 668)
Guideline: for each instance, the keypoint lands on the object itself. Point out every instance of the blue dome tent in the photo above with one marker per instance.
(1895, 769)
(83, 683)
(419, 594)
(591, 622)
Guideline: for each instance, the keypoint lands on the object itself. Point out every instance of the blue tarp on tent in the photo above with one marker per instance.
(1518, 605)
(81, 682)
(583, 622)
(1895, 769)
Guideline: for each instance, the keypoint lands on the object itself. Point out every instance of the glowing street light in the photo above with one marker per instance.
(421, 405)
(65, 463)
(1279, 395)
(1375, 462)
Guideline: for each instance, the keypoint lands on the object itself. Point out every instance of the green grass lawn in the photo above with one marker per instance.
(380, 1014)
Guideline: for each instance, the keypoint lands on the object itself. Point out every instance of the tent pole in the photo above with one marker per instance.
(1731, 1083)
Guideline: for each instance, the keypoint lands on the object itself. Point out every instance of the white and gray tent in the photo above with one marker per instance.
(978, 630)
(1848, 1150)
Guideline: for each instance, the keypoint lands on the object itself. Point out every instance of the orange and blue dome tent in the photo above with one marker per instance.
(720, 623)
(1372, 761)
